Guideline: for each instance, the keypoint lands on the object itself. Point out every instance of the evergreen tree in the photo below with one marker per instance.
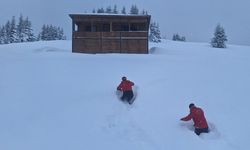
(101, 10)
(28, 31)
(93, 11)
(219, 38)
(134, 10)
(2, 35)
(21, 29)
(60, 34)
(42, 35)
(177, 37)
(115, 11)
(154, 35)
(143, 12)
(123, 10)
(7, 32)
(108, 10)
(13, 31)
(50, 32)
(183, 38)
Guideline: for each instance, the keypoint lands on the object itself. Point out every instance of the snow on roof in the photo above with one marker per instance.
(106, 14)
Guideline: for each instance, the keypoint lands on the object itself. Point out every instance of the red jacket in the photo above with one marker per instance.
(125, 86)
(198, 117)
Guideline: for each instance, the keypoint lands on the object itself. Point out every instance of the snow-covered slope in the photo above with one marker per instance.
(53, 99)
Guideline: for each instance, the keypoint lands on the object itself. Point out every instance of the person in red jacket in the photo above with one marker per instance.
(200, 122)
(126, 87)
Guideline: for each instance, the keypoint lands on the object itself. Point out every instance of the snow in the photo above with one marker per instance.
(54, 99)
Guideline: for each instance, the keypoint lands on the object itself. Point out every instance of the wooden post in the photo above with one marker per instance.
(120, 42)
(101, 41)
(73, 26)
(110, 26)
(73, 30)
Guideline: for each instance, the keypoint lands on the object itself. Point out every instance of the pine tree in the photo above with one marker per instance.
(7, 32)
(44, 33)
(123, 10)
(60, 34)
(219, 38)
(2, 35)
(108, 10)
(154, 35)
(143, 12)
(29, 35)
(177, 37)
(13, 31)
(134, 10)
(101, 10)
(21, 29)
(115, 10)
(50, 32)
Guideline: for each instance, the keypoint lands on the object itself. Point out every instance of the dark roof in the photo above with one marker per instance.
(107, 14)
(87, 17)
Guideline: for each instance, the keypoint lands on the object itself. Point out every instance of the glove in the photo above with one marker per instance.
(118, 88)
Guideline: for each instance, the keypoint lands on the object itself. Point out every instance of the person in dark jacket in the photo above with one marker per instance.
(126, 87)
(197, 115)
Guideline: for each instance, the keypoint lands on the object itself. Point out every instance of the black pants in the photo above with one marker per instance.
(198, 131)
(127, 96)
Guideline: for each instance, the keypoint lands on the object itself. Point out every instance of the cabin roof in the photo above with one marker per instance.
(108, 16)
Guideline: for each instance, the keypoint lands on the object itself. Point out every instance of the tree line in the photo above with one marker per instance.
(134, 10)
(218, 41)
(21, 31)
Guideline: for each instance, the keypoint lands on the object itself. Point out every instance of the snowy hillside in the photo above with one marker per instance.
(52, 99)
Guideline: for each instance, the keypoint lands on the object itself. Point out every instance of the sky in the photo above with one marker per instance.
(194, 19)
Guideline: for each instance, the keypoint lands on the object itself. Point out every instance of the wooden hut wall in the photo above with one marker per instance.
(110, 35)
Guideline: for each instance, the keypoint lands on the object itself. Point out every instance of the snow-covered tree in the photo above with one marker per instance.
(50, 32)
(108, 10)
(60, 34)
(24, 30)
(143, 12)
(2, 35)
(177, 37)
(115, 11)
(21, 29)
(123, 10)
(134, 10)
(7, 32)
(13, 30)
(14, 33)
(28, 31)
(100, 10)
(43, 34)
(154, 35)
(219, 38)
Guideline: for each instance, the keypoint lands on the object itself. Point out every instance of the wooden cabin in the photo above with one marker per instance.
(110, 33)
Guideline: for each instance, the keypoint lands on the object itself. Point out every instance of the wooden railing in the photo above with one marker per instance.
(110, 42)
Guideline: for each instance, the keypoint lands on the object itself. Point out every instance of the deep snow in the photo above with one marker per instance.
(53, 99)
